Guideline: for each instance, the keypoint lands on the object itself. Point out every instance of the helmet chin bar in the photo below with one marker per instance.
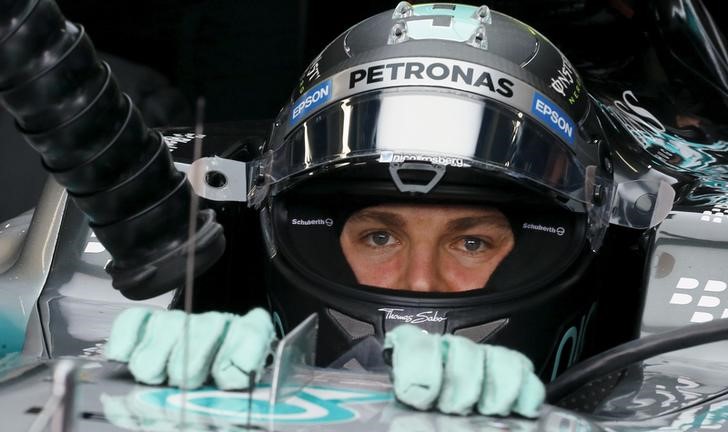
(347, 319)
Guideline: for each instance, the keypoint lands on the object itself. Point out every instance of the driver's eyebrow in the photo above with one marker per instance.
(465, 223)
(383, 217)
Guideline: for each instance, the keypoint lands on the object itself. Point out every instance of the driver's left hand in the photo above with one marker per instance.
(455, 375)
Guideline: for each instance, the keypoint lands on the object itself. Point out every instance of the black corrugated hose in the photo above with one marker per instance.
(93, 140)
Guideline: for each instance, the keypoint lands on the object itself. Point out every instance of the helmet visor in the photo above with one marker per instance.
(438, 126)
(467, 135)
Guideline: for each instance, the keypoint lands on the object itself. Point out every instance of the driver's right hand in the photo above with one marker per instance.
(231, 348)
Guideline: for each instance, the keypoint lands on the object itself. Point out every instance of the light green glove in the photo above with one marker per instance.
(152, 343)
(455, 374)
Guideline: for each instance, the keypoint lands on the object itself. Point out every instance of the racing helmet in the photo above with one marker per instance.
(440, 104)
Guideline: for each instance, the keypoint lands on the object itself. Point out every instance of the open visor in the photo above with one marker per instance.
(442, 127)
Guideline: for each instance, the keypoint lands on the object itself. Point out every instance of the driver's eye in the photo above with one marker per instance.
(380, 238)
(473, 244)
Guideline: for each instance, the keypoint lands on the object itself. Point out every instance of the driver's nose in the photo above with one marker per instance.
(421, 270)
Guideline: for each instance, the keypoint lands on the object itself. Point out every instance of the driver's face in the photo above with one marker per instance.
(426, 247)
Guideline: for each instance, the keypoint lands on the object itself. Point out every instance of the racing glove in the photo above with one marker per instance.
(227, 346)
(455, 374)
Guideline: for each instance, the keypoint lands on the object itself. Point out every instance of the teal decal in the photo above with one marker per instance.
(456, 23)
(163, 406)
(571, 335)
(699, 418)
(576, 335)
(458, 11)
(278, 325)
(697, 158)
(12, 337)
(704, 160)
(713, 418)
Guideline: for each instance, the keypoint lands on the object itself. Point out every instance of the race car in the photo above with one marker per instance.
(58, 301)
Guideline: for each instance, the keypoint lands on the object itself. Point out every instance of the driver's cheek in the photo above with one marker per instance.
(463, 274)
(381, 271)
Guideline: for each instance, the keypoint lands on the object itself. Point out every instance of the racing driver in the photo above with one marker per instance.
(437, 186)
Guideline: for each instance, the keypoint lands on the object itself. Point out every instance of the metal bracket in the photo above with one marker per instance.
(219, 179)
